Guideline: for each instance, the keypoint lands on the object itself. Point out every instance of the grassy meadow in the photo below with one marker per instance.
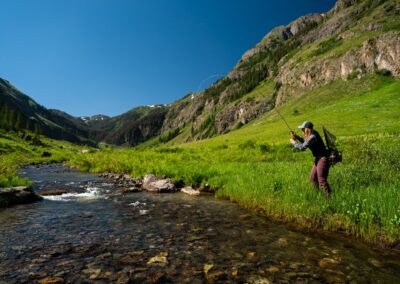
(256, 167)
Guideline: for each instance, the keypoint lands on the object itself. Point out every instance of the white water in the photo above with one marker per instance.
(90, 193)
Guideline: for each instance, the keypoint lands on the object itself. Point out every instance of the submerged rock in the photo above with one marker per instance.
(17, 195)
(52, 280)
(191, 191)
(54, 192)
(160, 259)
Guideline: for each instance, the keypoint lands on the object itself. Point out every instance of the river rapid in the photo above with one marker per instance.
(90, 235)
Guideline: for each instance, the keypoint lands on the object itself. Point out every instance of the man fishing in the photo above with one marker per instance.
(313, 141)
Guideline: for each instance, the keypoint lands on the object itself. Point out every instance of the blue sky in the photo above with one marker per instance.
(88, 57)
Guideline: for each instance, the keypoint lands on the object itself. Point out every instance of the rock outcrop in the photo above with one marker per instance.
(17, 195)
(382, 52)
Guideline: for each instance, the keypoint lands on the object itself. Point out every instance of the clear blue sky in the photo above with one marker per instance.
(107, 56)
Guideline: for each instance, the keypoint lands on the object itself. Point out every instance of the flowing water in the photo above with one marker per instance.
(92, 236)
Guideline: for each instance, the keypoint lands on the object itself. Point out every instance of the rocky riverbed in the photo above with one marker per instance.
(89, 235)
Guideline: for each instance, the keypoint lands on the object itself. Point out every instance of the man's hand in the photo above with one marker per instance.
(293, 135)
(292, 141)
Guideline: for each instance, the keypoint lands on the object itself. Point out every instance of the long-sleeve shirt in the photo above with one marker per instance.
(314, 142)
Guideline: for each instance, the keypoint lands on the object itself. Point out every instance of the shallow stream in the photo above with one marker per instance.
(92, 236)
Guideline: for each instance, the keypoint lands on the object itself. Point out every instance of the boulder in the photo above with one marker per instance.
(191, 191)
(152, 184)
(17, 195)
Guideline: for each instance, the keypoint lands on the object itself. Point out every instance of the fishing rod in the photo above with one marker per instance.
(284, 120)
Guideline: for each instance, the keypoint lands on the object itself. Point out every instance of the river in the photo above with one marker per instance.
(92, 236)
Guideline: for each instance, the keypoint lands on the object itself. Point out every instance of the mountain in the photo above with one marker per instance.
(18, 111)
(131, 128)
(352, 40)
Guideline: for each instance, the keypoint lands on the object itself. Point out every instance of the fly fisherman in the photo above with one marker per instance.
(313, 141)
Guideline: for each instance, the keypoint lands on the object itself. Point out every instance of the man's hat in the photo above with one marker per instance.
(306, 124)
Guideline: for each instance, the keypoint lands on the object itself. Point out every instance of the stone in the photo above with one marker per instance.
(157, 277)
(149, 178)
(328, 262)
(52, 280)
(150, 183)
(218, 275)
(133, 257)
(189, 190)
(18, 195)
(132, 189)
(282, 242)
(54, 192)
(272, 269)
(207, 267)
(160, 259)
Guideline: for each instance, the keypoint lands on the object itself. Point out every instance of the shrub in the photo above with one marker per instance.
(327, 45)
(264, 148)
(383, 72)
(248, 144)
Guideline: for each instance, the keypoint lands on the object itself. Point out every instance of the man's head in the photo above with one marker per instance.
(306, 124)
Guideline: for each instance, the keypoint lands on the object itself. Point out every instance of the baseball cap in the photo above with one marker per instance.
(306, 124)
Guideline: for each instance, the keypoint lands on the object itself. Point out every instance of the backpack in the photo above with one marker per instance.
(334, 155)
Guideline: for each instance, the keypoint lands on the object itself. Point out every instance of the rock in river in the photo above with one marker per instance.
(17, 195)
(160, 259)
(52, 280)
(189, 190)
(151, 183)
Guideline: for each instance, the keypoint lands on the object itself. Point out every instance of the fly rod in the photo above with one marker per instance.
(284, 120)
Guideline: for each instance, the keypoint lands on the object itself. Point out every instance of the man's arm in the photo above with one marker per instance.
(297, 137)
(306, 144)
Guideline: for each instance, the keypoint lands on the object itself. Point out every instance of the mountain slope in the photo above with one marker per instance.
(352, 40)
(18, 111)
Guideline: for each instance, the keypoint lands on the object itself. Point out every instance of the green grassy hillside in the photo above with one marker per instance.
(256, 167)
(21, 148)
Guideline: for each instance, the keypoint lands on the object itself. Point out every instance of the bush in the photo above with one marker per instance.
(352, 75)
(383, 72)
(264, 148)
(327, 45)
(248, 144)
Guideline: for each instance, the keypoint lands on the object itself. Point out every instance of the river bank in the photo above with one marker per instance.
(91, 235)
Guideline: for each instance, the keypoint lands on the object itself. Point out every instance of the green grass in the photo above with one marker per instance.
(16, 151)
(256, 167)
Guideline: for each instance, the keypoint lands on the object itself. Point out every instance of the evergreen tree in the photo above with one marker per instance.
(18, 121)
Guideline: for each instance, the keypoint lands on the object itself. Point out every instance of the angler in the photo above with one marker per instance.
(313, 141)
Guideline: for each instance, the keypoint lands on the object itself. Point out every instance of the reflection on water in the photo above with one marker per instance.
(89, 236)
